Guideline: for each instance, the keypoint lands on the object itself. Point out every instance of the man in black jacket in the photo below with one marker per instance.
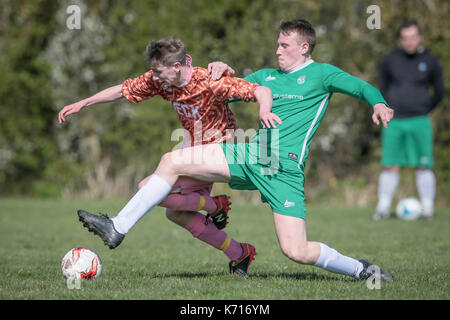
(406, 77)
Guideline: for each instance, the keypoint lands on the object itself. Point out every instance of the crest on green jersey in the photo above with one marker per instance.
(301, 79)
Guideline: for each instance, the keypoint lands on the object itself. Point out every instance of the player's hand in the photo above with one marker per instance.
(268, 120)
(70, 109)
(219, 69)
(383, 113)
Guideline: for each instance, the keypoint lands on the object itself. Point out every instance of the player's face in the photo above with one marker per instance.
(166, 75)
(410, 39)
(291, 51)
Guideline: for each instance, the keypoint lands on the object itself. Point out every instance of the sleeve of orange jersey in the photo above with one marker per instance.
(140, 88)
(234, 88)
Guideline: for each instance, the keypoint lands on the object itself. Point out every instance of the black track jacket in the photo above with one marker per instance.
(406, 81)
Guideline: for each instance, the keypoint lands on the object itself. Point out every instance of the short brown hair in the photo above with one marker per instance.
(303, 28)
(165, 51)
(409, 24)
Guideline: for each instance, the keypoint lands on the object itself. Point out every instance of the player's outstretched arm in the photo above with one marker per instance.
(382, 113)
(110, 94)
(264, 97)
(336, 80)
(218, 69)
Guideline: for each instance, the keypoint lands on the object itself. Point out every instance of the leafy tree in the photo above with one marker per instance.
(27, 135)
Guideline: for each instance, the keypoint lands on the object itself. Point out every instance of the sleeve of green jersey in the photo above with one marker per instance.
(336, 80)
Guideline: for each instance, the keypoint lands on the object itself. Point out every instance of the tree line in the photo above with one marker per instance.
(105, 150)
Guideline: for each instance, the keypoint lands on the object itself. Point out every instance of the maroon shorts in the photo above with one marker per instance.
(185, 185)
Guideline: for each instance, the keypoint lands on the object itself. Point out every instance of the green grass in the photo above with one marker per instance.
(159, 260)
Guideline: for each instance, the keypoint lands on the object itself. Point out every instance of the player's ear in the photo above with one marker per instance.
(177, 65)
(304, 47)
(188, 60)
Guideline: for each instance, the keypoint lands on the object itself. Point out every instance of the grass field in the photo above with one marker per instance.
(159, 260)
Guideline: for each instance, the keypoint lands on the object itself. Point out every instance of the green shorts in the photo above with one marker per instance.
(282, 190)
(408, 142)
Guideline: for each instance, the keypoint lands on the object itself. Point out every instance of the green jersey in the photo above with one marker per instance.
(300, 99)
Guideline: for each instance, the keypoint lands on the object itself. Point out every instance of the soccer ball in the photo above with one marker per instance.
(81, 263)
(409, 209)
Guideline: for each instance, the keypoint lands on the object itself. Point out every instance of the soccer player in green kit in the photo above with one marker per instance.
(273, 161)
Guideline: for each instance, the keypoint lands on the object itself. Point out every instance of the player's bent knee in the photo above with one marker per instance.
(182, 218)
(166, 159)
(173, 161)
(171, 215)
(297, 254)
(173, 202)
(176, 217)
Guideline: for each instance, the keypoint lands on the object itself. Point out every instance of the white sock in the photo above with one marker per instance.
(333, 261)
(149, 196)
(426, 187)
(387, 185)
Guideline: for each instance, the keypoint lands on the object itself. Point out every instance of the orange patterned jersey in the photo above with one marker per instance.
(202, 104)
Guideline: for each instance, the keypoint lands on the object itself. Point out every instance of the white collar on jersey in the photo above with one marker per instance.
(307, 63)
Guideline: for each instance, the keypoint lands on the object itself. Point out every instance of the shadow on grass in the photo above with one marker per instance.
(308, 276)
